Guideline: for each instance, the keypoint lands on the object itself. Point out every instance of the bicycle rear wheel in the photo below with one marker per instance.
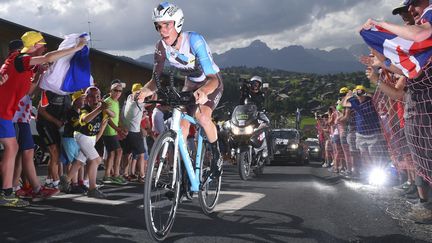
(161, 190)
(209, 192)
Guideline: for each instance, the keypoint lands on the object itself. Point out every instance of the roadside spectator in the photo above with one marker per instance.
(337, 165)
(92, 122)
(71, 148)
(133, 113)
(328, 149)
(110, 136)
(418, 99)
(17, 76)
(369, 137)
(24, 161)
(342, 123)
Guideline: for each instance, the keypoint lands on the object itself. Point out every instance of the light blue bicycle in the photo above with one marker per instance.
(172, 171)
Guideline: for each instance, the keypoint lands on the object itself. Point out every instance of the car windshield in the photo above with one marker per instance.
(312, 143)
(285, 134)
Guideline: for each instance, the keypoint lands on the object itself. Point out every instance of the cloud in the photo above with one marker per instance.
(124, 26)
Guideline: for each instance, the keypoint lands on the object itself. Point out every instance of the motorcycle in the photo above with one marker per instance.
(247, 139)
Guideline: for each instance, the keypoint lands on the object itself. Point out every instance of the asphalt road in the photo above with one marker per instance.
(286, 204)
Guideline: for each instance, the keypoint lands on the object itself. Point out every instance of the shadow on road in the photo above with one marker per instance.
(260, 226)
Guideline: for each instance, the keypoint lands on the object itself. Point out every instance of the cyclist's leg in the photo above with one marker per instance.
(185, 125)
(203, 115)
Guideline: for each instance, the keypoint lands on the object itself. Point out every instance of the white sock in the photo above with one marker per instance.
(56, 183)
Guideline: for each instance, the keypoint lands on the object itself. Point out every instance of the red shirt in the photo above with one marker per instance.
(18, 74)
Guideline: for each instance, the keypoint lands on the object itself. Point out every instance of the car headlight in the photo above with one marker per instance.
(242, 130)
(316, 149)
(294, 146)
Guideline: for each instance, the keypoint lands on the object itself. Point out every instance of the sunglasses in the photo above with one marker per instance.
(118, 90)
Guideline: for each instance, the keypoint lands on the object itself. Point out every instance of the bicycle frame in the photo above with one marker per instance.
(180, 145)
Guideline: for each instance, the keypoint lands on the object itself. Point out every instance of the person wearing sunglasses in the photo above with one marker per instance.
(111, 136)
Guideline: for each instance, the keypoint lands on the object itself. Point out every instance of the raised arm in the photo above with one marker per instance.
(55, 55)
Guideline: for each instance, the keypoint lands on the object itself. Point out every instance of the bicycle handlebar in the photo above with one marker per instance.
(171, 97)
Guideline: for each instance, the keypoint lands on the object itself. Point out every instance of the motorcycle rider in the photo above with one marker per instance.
(250, 93)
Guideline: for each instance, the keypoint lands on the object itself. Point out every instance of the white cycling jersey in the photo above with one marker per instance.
(194, 59)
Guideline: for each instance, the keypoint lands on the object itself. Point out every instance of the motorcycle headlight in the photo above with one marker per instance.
(294, 146)
(242, 130)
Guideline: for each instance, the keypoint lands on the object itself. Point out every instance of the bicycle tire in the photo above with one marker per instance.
(159, 193)
(244, 166)
(209, 192)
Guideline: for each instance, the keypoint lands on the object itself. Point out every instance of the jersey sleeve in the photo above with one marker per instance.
(202, 53)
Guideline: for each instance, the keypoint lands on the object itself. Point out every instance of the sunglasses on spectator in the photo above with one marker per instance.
(118, 90)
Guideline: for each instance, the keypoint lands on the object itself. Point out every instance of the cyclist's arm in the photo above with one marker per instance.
(211, 84)
(203, 55)
(159, 61)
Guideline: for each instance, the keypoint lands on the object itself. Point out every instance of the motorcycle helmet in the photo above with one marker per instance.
(255, 83)
(166, 11)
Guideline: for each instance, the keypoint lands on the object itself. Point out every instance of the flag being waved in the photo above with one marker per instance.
(70, 73)
(407, 55)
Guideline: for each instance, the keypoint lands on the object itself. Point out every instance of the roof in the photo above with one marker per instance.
(23, 29)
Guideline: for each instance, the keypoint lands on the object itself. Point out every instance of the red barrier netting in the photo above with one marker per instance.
(407, 124)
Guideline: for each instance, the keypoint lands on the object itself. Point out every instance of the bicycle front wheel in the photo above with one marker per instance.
(209, 192)
(161, 189)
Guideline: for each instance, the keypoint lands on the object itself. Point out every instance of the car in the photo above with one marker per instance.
(314, 149)
(288, 144)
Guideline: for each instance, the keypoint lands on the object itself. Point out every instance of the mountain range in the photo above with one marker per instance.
(293, 58)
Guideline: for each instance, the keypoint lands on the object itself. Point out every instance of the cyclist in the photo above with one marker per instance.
(189, 53)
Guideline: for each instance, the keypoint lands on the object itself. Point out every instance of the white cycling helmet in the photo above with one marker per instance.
(256, 78)
(166, 11)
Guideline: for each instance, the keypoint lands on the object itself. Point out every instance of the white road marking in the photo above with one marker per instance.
(63, 210)
(242, 200)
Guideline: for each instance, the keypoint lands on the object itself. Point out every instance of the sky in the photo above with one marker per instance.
(124, 27)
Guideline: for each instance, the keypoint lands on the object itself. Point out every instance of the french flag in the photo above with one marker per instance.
(70, 73)
(407, 55)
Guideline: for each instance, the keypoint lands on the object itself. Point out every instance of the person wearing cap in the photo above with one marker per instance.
(402, 10)
(134, 143)
(369, 137)
(31, 187)
(422, 29)
(17, 73)
(71, 149)
(111, 136)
